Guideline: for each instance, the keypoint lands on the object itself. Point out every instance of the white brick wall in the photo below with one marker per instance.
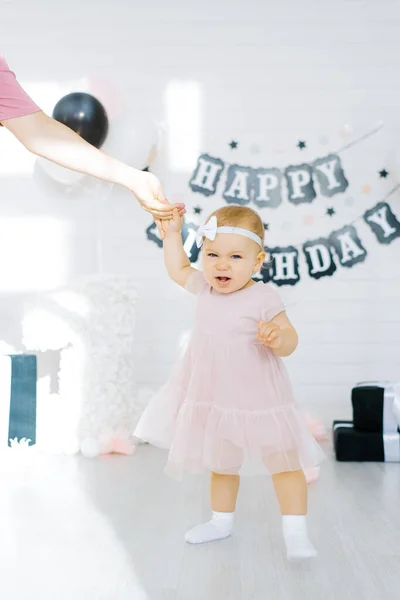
(267, 73)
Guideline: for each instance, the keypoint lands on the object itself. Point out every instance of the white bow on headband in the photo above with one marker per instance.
(210, 230)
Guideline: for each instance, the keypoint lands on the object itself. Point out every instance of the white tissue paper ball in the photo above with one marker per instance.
(90, 448)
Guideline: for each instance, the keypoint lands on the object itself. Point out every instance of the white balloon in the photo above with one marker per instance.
(59, 174)
(131, 140)
(90, 448)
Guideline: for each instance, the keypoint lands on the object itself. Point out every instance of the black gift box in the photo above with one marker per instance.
(373, 407)
(355, 445)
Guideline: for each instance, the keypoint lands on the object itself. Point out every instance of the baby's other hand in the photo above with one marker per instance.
(270, 334)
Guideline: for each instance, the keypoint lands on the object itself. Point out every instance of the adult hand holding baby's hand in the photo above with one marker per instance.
(270, 334)
(150, 195)
(172, 225)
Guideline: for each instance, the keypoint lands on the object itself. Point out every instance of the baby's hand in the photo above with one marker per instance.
(169, 225)
(270, 334)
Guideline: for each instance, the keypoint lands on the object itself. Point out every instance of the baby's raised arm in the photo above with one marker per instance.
(175, 258)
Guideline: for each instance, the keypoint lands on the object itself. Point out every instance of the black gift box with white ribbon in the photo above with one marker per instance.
(376, 406)
(355, 445)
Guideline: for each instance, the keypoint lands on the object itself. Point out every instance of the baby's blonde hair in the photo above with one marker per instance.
(235, 215)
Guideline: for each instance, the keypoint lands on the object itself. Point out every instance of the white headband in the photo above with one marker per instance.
(210, 230)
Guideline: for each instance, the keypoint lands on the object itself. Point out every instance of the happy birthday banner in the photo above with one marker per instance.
(264, 186)
(267, 188)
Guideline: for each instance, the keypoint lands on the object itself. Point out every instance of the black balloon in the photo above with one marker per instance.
(85, 115)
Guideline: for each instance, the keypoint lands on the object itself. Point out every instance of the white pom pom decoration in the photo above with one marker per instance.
(90, 448)
(92, 323)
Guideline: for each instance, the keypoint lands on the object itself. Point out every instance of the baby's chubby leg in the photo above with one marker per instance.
(291, 491)
(224, 490)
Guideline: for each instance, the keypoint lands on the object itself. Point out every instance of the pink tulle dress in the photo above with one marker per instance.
(229, 404)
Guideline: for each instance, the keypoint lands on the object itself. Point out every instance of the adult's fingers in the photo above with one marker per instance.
(165, 216)
(160, 212)
(161, 208)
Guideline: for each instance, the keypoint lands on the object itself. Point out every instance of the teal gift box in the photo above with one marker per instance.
(18, 377)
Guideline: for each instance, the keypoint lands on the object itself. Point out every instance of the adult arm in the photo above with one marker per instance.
(52, 140)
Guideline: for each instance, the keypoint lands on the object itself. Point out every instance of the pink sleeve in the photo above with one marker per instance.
(196, 282)
(14, 101)
(272, 303)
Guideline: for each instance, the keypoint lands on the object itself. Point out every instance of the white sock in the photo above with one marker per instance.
(298, 545)
(218, 528)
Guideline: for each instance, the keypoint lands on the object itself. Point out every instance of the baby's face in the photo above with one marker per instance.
(230, 261)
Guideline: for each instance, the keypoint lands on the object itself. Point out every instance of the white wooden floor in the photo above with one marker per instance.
(112, 528)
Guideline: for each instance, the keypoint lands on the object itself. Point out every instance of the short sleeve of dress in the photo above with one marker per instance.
(14, 101)
(272, 303)
(196, 283)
